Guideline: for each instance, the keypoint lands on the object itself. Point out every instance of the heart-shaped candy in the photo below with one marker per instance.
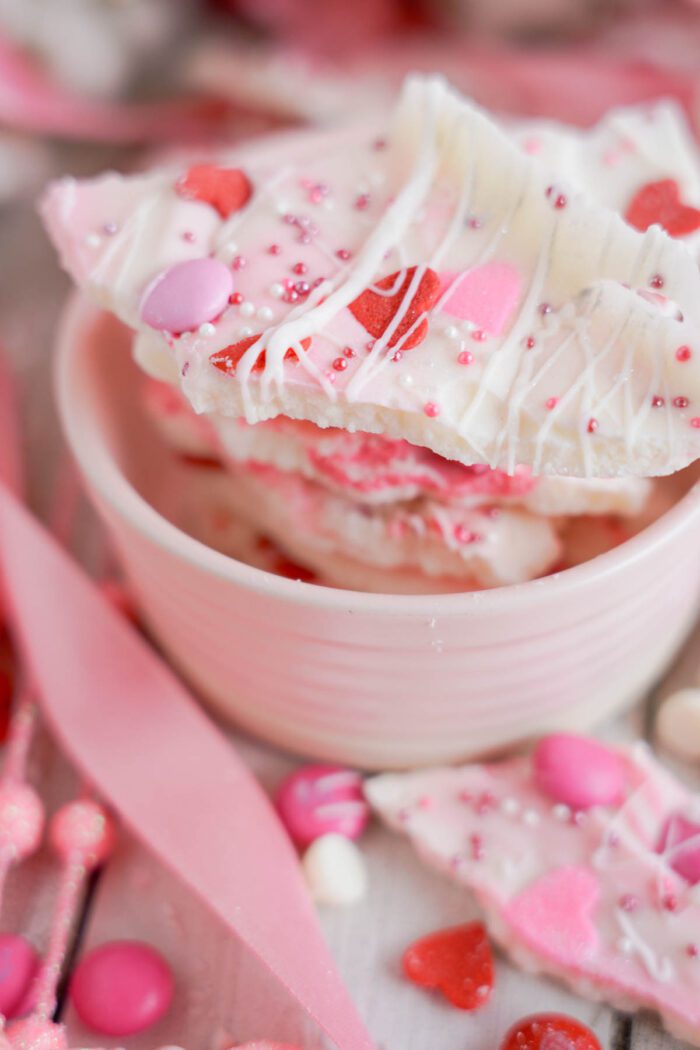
(227, 359)
(554, 914)
(458, 961)
(660, 203)
(485, 295)
(226, 189)
(680, 844)
(376, 307)
(549, 1032)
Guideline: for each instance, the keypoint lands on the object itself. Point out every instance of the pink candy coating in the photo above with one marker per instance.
(21, 820)
(680, 842)
(578, 772)
(318, 800)
(31, 1034)
(121, 988)
(82, 832)
(19, 963)
(187, 295)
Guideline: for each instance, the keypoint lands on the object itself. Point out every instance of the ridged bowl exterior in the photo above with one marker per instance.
(376, 681)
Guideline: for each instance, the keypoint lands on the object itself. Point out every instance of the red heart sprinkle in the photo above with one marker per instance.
(227, 359)
(226, 189)
(660, 202)
(458, 961)
(549, 1032)
(376, 311)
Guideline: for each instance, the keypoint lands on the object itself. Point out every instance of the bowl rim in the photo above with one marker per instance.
(105, 477)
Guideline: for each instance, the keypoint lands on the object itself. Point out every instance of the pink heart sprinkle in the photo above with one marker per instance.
(485, 295)
(553, 914)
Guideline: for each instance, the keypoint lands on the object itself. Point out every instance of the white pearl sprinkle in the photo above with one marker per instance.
(281, 207)
(247, 309)
(510, 806)
(452, 332)
(276, 290)
(625, 945)
(328, 204)
(531, 817)
(406, 380)
(561, 812)
(265, 313)
(245, 331)
(93, 240)
(231, 248)
(207, 328)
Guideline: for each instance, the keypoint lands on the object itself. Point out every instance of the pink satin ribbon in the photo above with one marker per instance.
(152, 753)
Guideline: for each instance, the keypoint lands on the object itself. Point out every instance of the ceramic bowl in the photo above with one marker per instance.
(371, 680)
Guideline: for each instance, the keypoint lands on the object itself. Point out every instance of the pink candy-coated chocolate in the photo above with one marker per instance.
(31, 1034)
(121, 988)
(680, 842)
(187, 295)
(82, 832)
(18, 966)
(321, 800)
(21, 820)
(578, 772)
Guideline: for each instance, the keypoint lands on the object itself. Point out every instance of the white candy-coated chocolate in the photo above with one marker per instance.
(335, 871)
(678, 724)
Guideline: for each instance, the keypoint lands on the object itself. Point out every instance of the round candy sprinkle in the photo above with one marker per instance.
(578, 771)
(82, 832)
(187, 295)
(335, 870)
(32, 1034)
(21, 820)
(19, 963)
(121, 988)
(547, 1031)
(317, 800)
(678, 724)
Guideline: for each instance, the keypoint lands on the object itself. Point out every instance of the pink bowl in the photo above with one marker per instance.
(371, 680)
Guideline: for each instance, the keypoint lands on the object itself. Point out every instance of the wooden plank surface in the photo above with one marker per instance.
(221, 992)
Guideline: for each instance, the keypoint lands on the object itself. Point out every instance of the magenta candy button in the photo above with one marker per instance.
(18, 965)
(121, 988)
(321, 800)
(680, 844)
(187, 295)
(578, 772)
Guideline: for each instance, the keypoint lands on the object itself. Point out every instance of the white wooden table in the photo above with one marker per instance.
(220, 990)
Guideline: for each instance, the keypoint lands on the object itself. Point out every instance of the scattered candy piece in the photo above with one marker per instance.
(458, 961)
(18, 966)
(659, 203)
(187, 295)
(335, 870)
(375, 311)
(226, 360)
(549, 1032)
(320, 799)
(121, 988)
(678, 724)
(226, 189)
(31, 1034)
(578, 772)
(82, 832)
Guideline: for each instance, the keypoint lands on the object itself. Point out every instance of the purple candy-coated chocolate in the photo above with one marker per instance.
(578, 772)
(121, 988)
(187, 295)
(680, 842)
(319, 800)
(19, 963)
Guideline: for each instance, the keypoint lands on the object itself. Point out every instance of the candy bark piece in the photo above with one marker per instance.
(594, 898)
(585, 377)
